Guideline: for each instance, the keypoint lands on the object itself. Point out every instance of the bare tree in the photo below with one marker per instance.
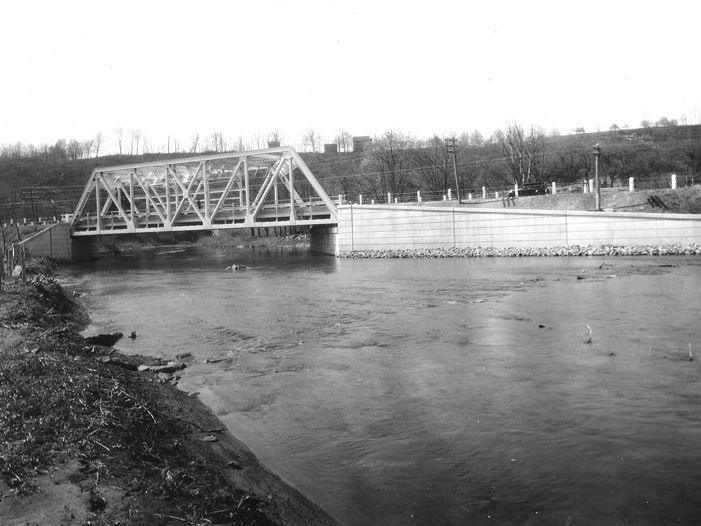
(146, 146)
(344, 140)
(524, 153)
(476, 138)
(134, 140)
(433, 164)
(59, 151)
(119, 134)
(311, 139)
(218, 141)
(75, 150)
(274, 138)
(388, 164)
(584, 166)
(241, 147)
(194, 141)
(463, 138)
(258, 141)
(87, 147)
(616, 164)
(99, 137)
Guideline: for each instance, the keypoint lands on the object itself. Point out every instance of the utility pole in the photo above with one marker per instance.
(450, 144)
(597, 153)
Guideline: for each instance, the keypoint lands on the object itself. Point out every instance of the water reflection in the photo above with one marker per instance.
(442, 391)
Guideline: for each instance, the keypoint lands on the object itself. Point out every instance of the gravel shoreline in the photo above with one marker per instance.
(693, 249)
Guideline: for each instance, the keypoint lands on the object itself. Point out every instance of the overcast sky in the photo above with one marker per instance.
(71, 69)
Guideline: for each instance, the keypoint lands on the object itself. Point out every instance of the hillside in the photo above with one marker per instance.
(685, 200)
(50, 185)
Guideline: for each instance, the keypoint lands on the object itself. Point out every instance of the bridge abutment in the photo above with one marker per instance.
(324, 239)
(56, 242)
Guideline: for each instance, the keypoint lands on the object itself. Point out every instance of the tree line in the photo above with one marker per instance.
(135, 142)
(400, 164)
(394, 162)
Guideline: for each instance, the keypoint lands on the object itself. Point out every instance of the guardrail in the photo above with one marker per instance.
(490, 194)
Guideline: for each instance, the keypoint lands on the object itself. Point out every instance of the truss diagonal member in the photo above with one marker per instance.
(287, 180)
(187, 196)
(178, 203)
(156, 195)
(226, 191)
(114, 200)
(80, 207)
(265, 189)
(146, 189)
(315, 184)
(108, 202)
(295, 196)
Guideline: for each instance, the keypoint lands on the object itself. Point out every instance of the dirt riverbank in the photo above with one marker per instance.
(86, 438)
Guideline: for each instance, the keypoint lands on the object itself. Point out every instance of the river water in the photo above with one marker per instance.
(435, 392)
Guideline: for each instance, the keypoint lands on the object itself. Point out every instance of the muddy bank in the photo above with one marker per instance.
(85, 438)
(661, 250)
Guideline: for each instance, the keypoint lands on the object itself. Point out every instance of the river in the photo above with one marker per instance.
(435, 392)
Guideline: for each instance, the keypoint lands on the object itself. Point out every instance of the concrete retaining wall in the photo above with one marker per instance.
(378, 227)
(56, 242)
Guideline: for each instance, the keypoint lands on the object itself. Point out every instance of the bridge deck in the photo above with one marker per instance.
(113, 223)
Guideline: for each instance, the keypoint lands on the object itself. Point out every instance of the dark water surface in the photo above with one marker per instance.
(436, 392)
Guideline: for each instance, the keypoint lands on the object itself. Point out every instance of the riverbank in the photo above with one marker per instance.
(86, 438)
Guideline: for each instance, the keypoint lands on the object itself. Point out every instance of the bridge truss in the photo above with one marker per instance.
(261, 188)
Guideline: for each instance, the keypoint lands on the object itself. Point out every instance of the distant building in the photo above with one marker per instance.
(361, 142)
(331, 148)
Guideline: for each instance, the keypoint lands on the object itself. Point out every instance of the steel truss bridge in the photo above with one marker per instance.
(261, 188)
